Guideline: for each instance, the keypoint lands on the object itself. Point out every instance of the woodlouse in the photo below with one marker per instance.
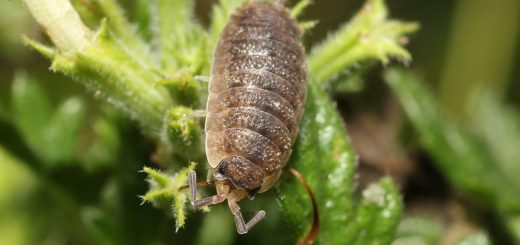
(256, 95)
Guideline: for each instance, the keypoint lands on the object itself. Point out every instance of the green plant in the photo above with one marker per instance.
(475, 157)
(155, 84)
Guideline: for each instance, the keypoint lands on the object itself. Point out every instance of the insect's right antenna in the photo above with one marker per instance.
(310, 237)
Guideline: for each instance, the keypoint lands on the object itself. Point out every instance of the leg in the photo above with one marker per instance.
(241, 225)
(192, 182)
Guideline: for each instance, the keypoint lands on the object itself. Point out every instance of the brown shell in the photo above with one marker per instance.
(256, 95)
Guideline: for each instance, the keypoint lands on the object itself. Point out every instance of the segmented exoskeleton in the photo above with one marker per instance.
(256, 96)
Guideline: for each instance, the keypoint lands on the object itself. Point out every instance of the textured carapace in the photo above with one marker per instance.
(256, 95)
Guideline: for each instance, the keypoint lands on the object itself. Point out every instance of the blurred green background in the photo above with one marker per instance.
(69, 160)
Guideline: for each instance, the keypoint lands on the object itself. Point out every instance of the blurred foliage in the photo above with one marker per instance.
(469, 158)
(59, 125)
(475, 239)
(69, 168)
(13, 226)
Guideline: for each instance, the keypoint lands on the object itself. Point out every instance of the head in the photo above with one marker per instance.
(242, 173)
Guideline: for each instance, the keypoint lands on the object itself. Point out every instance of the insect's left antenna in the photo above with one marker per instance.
(198, 203)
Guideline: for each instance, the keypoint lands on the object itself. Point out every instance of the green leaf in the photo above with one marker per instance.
(31, 111)
(99, 226)
(50, 134)
(112, 73)
(513, 223)
(370, 35)
(378, 214)
(462, 156)
(126, 32)
(299, 8)
(186, 134)
(60, 134)
(322, 153)
(478, 238)
(457, 153)
(498, 124)
(157, 178)
(102, 63)
(327, 161)
(46, 51)
(179, 50)
(103, 151)
(16, 179)
(89, 12)
(17, 183)
(143, 16)
(183, 88)
(165, 190)
(418, 230)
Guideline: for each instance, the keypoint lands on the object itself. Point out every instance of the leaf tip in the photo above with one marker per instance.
(44, 50)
